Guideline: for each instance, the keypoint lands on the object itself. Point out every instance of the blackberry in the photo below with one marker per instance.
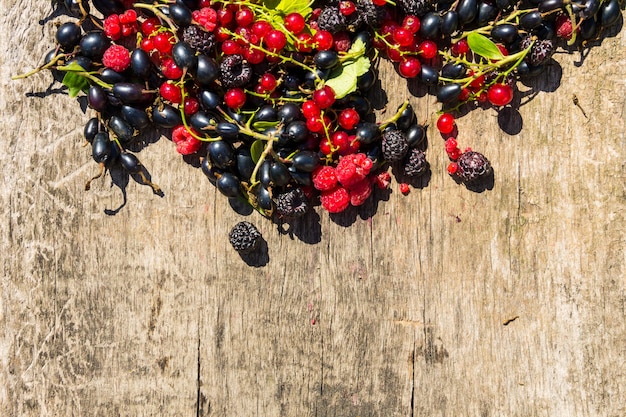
(415, 163)
(244, 237)
(235, 71)
(291, 204)
(394, 145)
(331, 20)
(199, 39)
(472, 166)
(414, 7)
(540, 52)
(370, 14)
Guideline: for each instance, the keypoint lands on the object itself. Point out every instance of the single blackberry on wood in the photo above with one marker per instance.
(472, 166)
(291, 204)
(199, 39)
(244, 237)
(235, 71)
(331, 20)
(414, 7)
(394, 145)
(540, 52)
(415, 163)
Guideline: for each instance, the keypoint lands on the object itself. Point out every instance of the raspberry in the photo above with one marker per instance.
(235, 72)
(415, 163)
(353, 168)
(360, 191)
(112, 27)
(382, 180)
(331, 20)
(324, 178)
(206, 17)
(563, 26)
(244, 237)
(394, 145)
(186, 144)
(335, 200)
(291, 204)
(199, 39)
(117, 58)
(342, 42)
(471, 166)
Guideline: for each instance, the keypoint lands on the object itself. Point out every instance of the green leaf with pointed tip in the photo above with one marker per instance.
(75, 82)
(262, 125)
(343, 80)
(483, 46)
(256, 149)
(358, 46)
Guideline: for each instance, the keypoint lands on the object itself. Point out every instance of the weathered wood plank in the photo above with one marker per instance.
(443, 302)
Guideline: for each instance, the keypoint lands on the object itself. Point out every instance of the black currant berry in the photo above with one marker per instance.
(93, 44)
(68, 36)
(306, 161)
(221, 154)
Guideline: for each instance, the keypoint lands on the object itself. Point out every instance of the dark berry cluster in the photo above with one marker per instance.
(273, 98)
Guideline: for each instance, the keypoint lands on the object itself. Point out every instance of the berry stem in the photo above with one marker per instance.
(395, 117)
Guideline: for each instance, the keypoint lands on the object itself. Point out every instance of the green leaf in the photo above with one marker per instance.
(358, 46)
(75, 83)
(343, 81)
(262, 125)
(289, 6)
(256, 150)
(483, 46)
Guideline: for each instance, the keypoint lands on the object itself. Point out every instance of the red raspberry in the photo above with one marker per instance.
(117, 58)
(112, 27)
(341, 42)
(353, 168)
(382, 180)
(206, 17)
(335, 200)
(360, 191)
(324, 178)
(404, 188)
(186, 144)
(563, 26)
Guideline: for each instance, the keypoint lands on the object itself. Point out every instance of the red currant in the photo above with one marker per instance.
(428, 49)
(379, 2)
(163, 42)
(244, 17)
(303, 43)
(324, 97)
(451, 144)
(170, 92)
(346, 7)
(409, 67)
(445, 123)
(225, 17)
(235, 98)
(149, 25)
(453, 167)
(348, 118)
(310, 109)
(268, 82)
(295, 23)
(261, 28)
(230, 47)
(403, 37)
(323, 39)
(275, 40)
(460, 48)
(191, 105)
(253, 56)
(170, 70)
(500, 94)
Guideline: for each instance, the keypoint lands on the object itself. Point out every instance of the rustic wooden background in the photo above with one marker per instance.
(445, 302)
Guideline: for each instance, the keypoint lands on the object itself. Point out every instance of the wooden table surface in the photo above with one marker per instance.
(445, 302)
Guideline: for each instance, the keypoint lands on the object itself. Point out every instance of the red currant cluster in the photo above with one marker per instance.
(272, 97)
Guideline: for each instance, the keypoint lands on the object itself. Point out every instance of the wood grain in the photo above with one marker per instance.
(445, 302)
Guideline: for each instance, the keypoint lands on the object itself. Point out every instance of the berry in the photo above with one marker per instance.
(268, 82)
(445, 123)
(370, 13)
(331, 20)
(199, 39)
(310, 109)
(324, 178)
(235, 98)
(348, 119)
(170, 92)
(453, 167)
(563, 27)
(295, 23)
(409, 67)
(414, 7)
(415, 163)
(411, 23)
(291, 204)
(324, 97)
(394, 145)
(235, 71)
(540, 52)
(275, 40)
(428, 49)
(206, 17)
(117, 58)
(383, 180)
(335, 200)
(500, 94)
(244, 16)
(405, 188)
(186, 144)
(472, 166)
(323, 39)
(170, 70)
(403, 37)
(353, 168)
(360, 191)
(244, 237)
